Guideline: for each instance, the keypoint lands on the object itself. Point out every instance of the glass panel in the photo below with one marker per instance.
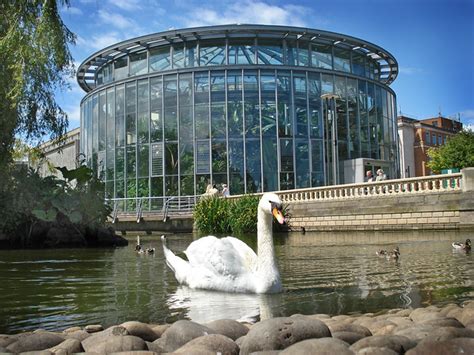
(218, 120)
(171, 158)
(321, 56)
(317, 160)
(185, 108)
(236, 166)
(234, 108)
(364, 118)
(119, 163)
(171, 185)
(252, 159)
(327, 84)
(138, 63)
(358, 64)
(109, 165)
(285, 124)
(203, 158)
(303, 54)
(291, 53)
(302, 163)
(156, 101)
(110, 118)
(301, 110)
(201, 105)
(130, 113)
(143, 160)
(186, 123)
(102, 118)
(143, 190)
(160, 58)
(156, 184)
(121, 68)
(342, 59)
(268, 106)
(186, 156)
(170, 101)
(353, 118)
(178, 56)
(120, 116)
(219, 157)
(212, 53)
(191, 55)
(270, 164)
(315, 112)
(372, 119)
(131, 162)
(251, 106)
(341, 112)
(242, 52)
(270, 52)
(143, 116)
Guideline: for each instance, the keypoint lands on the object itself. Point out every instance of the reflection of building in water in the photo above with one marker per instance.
(204, 306)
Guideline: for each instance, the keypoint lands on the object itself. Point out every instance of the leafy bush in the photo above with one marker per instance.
(243, 214)
(214, 215)
(211, 215)
(79, 199)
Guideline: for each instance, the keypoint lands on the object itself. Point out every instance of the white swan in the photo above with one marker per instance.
(228, 264)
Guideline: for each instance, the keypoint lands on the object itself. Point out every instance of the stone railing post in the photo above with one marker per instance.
(467, 179)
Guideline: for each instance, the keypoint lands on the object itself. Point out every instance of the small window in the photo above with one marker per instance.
(433, 138)
(427, 138)
(440, 140)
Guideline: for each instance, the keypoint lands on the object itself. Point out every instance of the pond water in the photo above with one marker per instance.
(333, 273)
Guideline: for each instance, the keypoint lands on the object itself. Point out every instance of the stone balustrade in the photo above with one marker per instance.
(418, 185)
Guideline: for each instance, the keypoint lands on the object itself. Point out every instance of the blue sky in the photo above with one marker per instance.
(432, 40)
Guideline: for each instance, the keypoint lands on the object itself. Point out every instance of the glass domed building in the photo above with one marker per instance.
(260, 108)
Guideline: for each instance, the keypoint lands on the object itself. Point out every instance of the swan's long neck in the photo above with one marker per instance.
(266, 265)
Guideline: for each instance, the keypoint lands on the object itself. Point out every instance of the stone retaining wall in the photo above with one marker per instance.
(439, 211)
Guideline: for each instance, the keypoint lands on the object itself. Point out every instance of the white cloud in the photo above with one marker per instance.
(127, 5)
(116, 20)
(409, 70)
(73, 10)
(467, 119)
(101, 41)
(248, 12)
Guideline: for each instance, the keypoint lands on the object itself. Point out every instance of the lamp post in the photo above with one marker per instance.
(331, 118)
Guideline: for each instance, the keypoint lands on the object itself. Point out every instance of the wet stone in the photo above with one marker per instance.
(213, 343)
(140, 330)
(348, 337)
(228, 327)
(279, 333)
(118, 343)
(180, 333)
(349, 327)
(399, 344)
(453, 346)
(35, 342)
(93, 328)
(371, 350)
(320, 346)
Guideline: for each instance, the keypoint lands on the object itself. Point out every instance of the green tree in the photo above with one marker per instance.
(458, 152)
(34, 62)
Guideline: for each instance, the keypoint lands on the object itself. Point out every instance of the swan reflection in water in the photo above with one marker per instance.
(205, 306)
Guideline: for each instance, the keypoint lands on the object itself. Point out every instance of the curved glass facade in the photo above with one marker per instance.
(249, 112)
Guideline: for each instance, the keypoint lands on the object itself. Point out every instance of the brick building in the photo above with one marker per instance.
(417, 136)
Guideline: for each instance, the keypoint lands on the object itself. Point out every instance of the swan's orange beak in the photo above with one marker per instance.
(278, 215)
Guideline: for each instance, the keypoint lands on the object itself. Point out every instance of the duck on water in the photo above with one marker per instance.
(230, 265)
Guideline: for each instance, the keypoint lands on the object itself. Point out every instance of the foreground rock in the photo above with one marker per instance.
(431, 330)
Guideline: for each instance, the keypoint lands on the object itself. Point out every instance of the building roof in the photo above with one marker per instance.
(88, 68)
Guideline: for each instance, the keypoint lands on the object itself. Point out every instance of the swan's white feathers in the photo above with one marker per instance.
(228, 264)
(227, 256)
